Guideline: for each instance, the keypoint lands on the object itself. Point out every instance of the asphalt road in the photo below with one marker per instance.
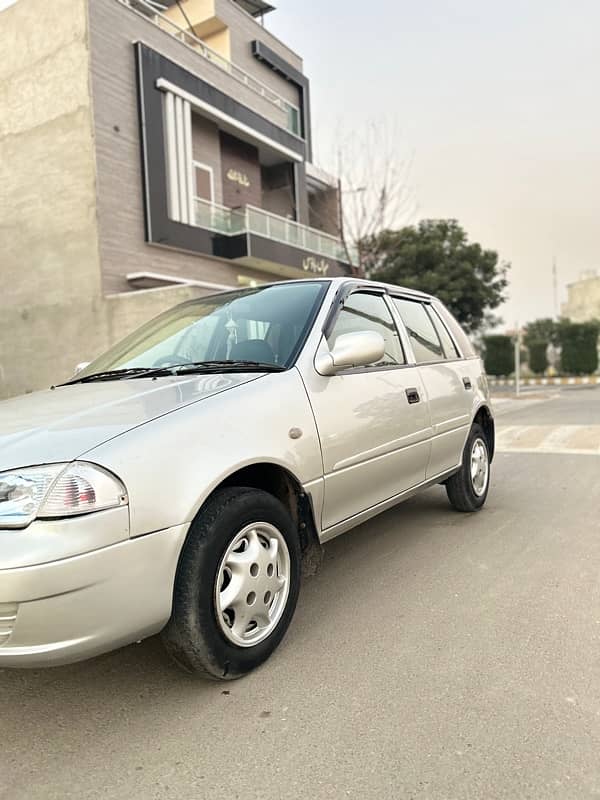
(436, 655)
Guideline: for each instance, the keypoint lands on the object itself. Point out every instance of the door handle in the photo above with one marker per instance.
(412, 395)
(467, 383)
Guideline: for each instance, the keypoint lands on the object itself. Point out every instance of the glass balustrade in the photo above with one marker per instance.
(229, 222)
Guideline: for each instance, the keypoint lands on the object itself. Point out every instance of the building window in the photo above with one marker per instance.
(203, 182)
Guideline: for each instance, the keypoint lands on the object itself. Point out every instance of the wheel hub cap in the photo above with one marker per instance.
(479, 467)
(252, 584)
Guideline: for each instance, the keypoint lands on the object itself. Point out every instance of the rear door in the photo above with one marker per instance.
(446, 377)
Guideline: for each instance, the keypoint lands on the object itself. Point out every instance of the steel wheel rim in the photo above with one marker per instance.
(252, 584)
(479, 467)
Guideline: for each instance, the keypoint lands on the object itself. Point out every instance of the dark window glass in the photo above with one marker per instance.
(448, 345)
(368, 312)
(425, 342)
(203, 182)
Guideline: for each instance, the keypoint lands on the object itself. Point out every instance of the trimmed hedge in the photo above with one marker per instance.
(537, 357)
(499, 356)
(579, 342)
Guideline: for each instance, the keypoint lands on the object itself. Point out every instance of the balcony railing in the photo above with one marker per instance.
(230, 222)
(290, 112)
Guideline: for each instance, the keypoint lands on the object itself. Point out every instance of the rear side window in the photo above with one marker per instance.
(425, 342)
(460, 337)
(448, 345)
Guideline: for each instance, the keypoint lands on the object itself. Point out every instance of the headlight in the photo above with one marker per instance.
(56, 490)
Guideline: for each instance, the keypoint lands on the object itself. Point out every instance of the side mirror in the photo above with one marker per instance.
(351, 350)
(80, 367)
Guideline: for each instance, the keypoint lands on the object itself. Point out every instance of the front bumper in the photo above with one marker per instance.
(77, 607)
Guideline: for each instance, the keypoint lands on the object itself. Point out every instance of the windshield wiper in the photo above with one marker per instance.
(119, 374)
(187, 368)
(226, 366)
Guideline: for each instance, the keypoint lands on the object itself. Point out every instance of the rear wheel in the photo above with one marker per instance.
(468, 488)
(236, 587)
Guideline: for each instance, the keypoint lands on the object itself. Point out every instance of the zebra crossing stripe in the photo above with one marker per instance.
(553, 439)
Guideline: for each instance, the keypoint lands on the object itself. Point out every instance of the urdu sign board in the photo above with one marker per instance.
(318, 266)
(238, 177)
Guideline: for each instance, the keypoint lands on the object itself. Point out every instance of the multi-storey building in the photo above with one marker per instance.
(149, 152)
(583, 300)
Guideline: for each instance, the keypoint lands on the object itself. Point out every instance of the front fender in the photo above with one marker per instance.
(171, 465)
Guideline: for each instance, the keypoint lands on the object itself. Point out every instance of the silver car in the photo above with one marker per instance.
(183, 481)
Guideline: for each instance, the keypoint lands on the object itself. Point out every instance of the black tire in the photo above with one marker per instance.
(460, 489)
(193, 637)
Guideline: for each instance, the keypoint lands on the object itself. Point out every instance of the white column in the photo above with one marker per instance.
(187, 137)
(171, 157)
(184, 205)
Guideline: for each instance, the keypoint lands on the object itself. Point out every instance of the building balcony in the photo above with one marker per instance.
(271, 242)
(283, 112)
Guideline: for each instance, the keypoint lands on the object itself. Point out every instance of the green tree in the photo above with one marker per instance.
(579, 343)
(541, 330)
(498, 355)
(435, 256)
(537, 356)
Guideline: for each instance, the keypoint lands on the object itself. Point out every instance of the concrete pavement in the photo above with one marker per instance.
(436, 655)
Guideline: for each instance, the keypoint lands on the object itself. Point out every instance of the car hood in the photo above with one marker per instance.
(62, 424)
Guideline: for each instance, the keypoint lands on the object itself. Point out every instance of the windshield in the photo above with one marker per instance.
(266, 325)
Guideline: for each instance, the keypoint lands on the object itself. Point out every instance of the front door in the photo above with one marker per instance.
(447, 382)
(373, 422)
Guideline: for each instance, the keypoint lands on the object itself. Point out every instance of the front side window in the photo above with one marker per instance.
(425, 342)
(265, 324)
(368, 312)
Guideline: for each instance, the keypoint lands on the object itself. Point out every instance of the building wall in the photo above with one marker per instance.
(324, 211)
(583, 303)
(278, 193)
(241, 173)
(113, 29)
(220, 42)
(228, 29)
(243, 30)
(48, 230)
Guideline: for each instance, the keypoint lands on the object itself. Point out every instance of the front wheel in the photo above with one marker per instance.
(467, 489)
(236, 587)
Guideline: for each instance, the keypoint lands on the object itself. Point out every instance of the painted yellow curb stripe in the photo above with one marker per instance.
(581, 381)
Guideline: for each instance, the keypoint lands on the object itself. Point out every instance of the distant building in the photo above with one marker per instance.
(150, 152)
(583, 303)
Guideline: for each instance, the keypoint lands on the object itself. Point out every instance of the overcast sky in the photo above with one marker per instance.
(500, 103)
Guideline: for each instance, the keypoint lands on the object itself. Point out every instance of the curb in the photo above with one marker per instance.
(589, 380)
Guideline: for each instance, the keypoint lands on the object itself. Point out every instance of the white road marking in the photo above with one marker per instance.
(555, 439)
(565, 451)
